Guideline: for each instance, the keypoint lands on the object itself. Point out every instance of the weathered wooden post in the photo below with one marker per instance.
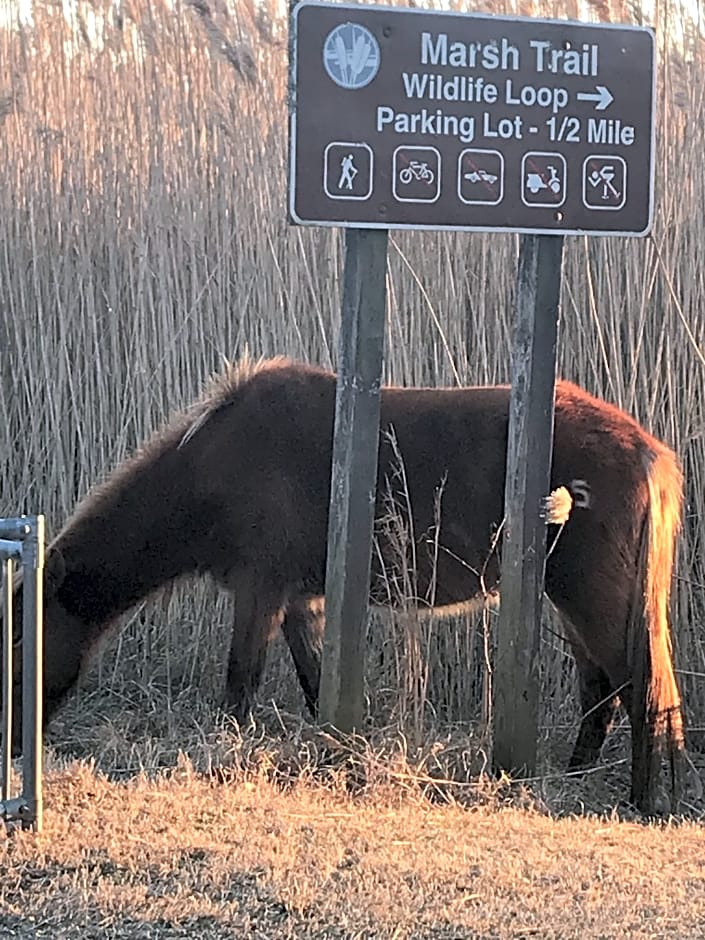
(354, 478)
(529, 448)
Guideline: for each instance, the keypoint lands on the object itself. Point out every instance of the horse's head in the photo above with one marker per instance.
(62, 646)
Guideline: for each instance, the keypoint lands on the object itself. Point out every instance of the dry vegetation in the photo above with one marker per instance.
(181, 856)
(143, 237)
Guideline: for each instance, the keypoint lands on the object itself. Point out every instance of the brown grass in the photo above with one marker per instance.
(182, 855)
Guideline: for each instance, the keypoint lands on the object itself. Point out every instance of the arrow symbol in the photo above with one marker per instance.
(603, 98)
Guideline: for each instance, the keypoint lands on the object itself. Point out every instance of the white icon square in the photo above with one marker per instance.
(479, 176)
(541, 170)
(600, 192)
(340, 184)
(411, 175)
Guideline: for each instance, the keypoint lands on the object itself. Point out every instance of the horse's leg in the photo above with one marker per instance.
(303, 628)
(644, 752)
(599, 703)
(594, 603)
(258, 613)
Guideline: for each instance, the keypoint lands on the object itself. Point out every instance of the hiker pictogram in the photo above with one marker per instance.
(348, 170)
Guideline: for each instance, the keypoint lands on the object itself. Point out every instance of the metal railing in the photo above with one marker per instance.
(22, 540)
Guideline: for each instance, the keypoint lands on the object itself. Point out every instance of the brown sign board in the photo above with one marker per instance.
(407, 118)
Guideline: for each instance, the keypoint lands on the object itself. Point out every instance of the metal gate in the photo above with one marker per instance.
(22, 541)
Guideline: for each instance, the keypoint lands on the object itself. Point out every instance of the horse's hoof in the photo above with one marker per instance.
(239, 711)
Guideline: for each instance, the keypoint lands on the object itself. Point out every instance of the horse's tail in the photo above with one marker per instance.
(657, 720)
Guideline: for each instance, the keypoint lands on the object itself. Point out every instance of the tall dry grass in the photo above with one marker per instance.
(143, 236)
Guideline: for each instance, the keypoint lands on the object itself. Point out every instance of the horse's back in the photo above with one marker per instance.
(266, 459)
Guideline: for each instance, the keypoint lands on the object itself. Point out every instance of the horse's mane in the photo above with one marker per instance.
(220, 390)
(222, 387)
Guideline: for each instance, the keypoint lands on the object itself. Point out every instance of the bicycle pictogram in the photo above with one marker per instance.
(416, 174)
(417, 171)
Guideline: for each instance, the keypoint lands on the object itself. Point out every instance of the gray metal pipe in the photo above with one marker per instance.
(32, 669)
(15, 528)
(7, 677)
(10, 548)
(23, 539)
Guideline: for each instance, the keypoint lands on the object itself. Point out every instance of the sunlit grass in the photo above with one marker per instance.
(183, 855)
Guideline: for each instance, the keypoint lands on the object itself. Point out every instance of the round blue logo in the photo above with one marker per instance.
(351, 55)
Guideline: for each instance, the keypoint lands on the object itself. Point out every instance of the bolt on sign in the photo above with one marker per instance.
(406, 118)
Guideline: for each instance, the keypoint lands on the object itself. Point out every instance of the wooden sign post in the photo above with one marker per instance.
(354, 477)
(529, 448)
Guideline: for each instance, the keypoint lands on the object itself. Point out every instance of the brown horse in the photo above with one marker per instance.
(239, 486)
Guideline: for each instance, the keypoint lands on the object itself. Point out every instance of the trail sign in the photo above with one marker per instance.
(407, 118)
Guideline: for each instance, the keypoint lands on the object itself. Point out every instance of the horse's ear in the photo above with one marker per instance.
(54, 572)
